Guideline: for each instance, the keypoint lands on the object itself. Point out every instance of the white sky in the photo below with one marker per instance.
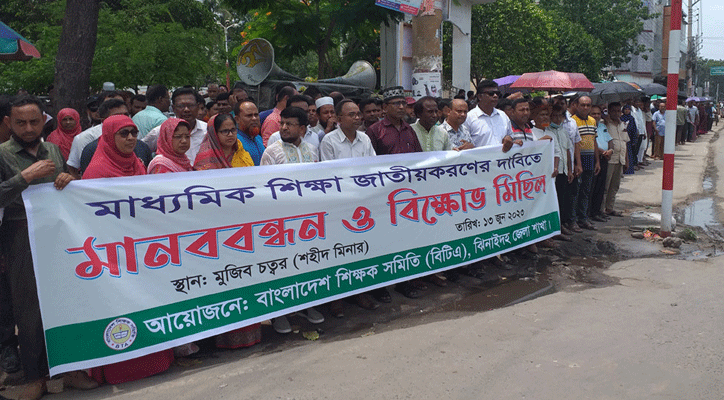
(712, 13)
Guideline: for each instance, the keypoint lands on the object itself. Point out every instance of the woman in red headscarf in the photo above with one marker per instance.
(68, 128)
(221, 149)
(114, 157)
(174, 141)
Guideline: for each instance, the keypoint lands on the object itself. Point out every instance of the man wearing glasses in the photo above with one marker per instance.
(392, 135)
(291, 148)
(487, 125)
(186, 107)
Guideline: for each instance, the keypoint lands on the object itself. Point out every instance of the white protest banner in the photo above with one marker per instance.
(131, 266)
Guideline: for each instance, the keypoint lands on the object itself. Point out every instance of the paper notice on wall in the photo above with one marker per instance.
(426, 84)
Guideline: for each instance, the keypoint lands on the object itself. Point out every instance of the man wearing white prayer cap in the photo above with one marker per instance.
(327, 117)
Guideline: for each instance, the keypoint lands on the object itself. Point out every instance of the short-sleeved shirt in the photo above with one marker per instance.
(271, 125)
(387, 139)
(619, 138)
(436, 139)
(660, 121)
(456, 136)
(487, 129)
(587, 130)
(13, 160)
(603, 136)
(335, 145)
(521, 133)
(691, 115)
(82, 140)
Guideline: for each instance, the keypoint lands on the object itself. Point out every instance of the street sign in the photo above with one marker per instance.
(717, 71)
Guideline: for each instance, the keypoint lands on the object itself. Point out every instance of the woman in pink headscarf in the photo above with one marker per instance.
(174, 141)
(68, 128)
(114, 156)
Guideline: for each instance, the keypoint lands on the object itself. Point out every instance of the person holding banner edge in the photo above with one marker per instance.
(24, 161)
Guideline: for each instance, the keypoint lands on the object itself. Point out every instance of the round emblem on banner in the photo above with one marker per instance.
(120, 334)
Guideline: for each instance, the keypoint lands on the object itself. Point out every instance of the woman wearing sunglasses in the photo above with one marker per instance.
(114, 156)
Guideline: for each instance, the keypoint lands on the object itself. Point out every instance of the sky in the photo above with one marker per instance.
(712, 23)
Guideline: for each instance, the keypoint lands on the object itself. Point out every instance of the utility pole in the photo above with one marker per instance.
(426, 50)
(226, 48)
(672, 90)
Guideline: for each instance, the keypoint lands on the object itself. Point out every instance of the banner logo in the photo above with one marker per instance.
(120, 334)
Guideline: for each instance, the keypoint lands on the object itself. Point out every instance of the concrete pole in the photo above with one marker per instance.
(426, 51)
(672, 90)
(690, 48)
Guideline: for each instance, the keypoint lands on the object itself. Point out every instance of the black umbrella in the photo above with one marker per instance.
(651, 89)
(607, 92)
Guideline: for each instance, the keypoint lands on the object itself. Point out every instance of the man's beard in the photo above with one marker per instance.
(288, 139)
(24, 144)
(251, 131)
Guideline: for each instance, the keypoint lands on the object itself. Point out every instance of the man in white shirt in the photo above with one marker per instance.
(643, 143)
(301, 101)
(346, 141)
(487, 125)
(291, 148)
(186, 107)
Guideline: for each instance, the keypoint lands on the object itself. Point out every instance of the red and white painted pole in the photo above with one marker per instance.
(672, 95)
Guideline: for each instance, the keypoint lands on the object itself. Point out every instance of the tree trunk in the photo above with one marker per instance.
(75, 55)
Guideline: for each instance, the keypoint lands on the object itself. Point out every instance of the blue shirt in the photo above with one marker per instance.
(660, 121)
(147, 119)
(264, 114)
(255, 146)
(603, 136)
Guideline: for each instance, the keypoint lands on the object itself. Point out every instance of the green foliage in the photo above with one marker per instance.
(39, 22)
(615, 23)
(509, 37)
(140, 42)
(577, 50)
(338, 32)
(703, 74)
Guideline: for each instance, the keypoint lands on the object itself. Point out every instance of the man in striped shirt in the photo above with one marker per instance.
(590, 155)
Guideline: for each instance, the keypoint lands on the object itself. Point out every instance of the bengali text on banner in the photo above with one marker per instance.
(130, 266)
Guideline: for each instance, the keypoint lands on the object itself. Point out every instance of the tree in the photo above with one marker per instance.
(329, 28)
(139, 42)
(509, 37)
(577, 50)
(75, 54)
(40, 22)
(703, 74)
(616, 23)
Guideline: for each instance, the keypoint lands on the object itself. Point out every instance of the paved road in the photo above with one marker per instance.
(656, 333)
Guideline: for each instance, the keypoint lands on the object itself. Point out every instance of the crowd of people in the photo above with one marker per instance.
(162, 132)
